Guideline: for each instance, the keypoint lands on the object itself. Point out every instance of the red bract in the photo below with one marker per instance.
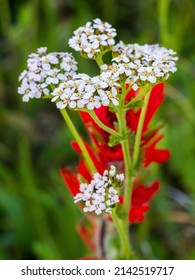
(95, 158)
(87, 229)
(152, 154)
(71, 180)
(103, 156)
(141, 196)
(156, 99)
(100, 138)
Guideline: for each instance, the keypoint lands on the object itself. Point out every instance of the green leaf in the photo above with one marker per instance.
(115, 140)
(134, 104)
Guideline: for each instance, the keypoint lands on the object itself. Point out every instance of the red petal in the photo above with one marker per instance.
(87, 230)
(71, 180)
(132, 119)
(89, 258)
(76, 147)
(83, 171)
(105, 116)
(140, 198)
(110, 154)
(155, 155)
(98, 164)
(158, 156)
(86, 117)
(130, 94)
(136, 214)
(142, 195)
(156, 98)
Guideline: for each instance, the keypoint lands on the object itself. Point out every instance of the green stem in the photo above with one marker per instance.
(163, 16)
(127, 162)
(47, 96)
(77, 137)
(137, 98)
(125, 245)
(99, 60)
(102, 125)
(121, 115)
(140, 128)
(128, 184)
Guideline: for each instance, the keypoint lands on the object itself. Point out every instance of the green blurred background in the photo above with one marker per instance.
(37, 214)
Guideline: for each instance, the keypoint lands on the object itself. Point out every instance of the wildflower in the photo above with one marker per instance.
(150, 138)
(101, 194)
(141, 194)
(93, 38)
(54, 75)
(44, 71)
(88, 229)
(138, 65)
(82, 91)
(103, 155)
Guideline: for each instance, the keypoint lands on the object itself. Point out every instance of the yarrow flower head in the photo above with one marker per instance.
(45, 70)
(85, 91)
(139, 65)
(93, 38)
(101, 195)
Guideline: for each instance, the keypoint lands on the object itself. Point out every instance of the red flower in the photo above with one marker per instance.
(152, 154)
(103, 156)
(71, 180)
(156, 99)
(141, 196)
(100, 138)
(87, 229)
(95, 158)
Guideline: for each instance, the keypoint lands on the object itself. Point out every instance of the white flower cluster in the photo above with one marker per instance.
(44, 71)
(101, 195)
(83, 91)
(93, 38)
(140, 64)
(55, 73)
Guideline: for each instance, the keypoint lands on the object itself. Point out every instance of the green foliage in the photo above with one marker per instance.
(136, 104)
(115, 140)
(37, 216)
(36, 212)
